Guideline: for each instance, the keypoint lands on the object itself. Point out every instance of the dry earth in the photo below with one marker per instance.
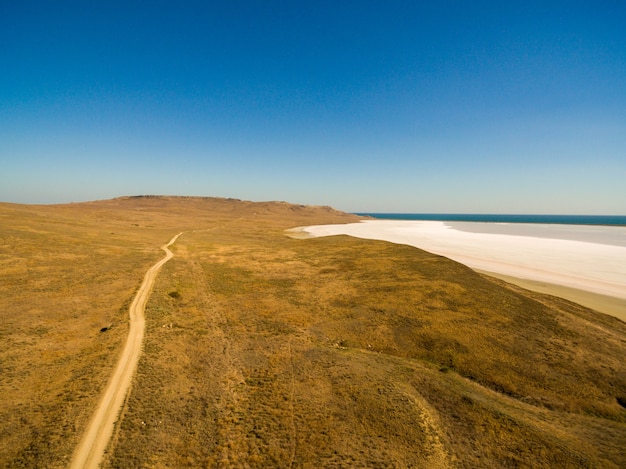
(266, 351)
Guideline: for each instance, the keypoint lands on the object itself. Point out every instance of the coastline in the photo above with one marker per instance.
(610, 305)
(587, 266)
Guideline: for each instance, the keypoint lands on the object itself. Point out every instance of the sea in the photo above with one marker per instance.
(606, 220)
(600, 229)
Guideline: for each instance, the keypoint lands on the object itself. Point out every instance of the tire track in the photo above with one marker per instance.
(90, 450)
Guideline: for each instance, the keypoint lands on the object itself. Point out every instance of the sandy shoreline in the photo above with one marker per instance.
(585, 265)
(605, 304)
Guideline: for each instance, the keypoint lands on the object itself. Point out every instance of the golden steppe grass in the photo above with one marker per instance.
(66, 272)
(267, 351)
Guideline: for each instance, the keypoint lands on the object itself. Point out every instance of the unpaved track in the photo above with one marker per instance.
(90, 451)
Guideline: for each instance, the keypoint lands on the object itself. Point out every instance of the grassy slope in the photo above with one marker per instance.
(263, 350)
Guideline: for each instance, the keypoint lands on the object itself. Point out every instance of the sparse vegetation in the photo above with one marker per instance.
(266, 351)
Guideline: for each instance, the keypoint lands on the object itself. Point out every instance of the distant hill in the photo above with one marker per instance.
(266, 351)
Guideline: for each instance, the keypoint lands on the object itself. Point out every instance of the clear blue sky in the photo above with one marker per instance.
(409, 106)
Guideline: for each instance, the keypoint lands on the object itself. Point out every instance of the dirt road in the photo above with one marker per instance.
(90, 451)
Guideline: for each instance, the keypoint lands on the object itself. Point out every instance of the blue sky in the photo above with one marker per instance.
(407, 106)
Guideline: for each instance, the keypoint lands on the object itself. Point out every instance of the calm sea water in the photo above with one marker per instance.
(613, 220)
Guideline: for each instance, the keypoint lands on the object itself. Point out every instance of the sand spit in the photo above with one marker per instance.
(569, 257)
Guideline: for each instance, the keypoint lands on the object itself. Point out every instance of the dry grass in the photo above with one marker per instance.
(266, 351)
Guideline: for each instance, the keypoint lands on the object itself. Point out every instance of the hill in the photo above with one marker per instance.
(267, 351)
